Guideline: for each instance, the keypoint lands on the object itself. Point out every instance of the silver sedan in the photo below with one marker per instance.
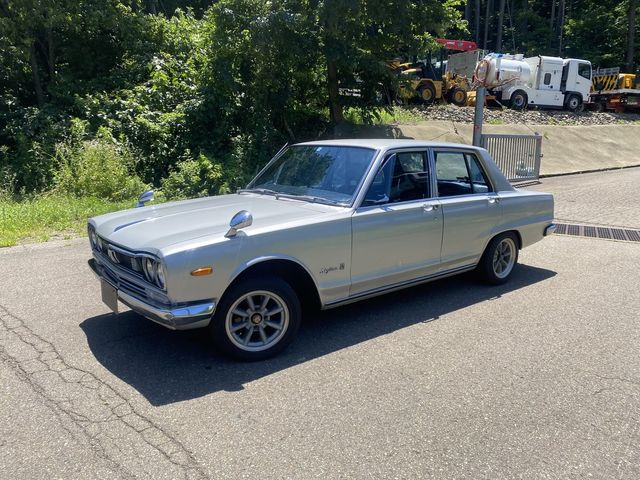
(324, 223)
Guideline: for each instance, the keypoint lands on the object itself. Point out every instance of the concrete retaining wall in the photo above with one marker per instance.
(566, 149)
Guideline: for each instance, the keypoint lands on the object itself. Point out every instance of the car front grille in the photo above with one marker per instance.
(123, 259)
(122, 282)
(123, 269)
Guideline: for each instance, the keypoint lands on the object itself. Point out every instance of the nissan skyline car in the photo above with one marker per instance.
(323, 223)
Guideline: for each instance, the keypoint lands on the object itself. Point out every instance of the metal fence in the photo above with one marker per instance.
(518, 156)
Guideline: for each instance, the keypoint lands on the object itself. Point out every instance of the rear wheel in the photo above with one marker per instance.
(256, 319)
(519, 100)
(499, 259)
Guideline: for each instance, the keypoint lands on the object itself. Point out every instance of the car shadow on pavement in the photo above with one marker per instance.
(167, 366)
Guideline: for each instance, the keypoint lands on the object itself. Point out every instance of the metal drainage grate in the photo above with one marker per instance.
(622, 234)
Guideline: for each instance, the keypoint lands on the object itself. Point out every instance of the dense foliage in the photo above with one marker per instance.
(194, 96)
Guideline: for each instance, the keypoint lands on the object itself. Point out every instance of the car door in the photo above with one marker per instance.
(397, 231)
(470, 206)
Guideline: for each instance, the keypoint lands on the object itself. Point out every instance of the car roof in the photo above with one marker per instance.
(385, 143)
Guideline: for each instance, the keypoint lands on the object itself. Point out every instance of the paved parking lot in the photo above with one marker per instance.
(601, 198)
(539, 378)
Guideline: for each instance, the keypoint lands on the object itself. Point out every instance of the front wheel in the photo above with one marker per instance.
(499, 259)
(256, 319)
(519, 100)
(458, 97)
(574, 102)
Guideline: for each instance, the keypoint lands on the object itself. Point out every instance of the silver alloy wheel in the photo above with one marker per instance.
(504, 258)
(257, 321)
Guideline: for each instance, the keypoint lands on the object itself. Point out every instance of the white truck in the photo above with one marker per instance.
(536, 81)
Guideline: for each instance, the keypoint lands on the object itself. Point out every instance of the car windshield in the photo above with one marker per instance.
(319, 173)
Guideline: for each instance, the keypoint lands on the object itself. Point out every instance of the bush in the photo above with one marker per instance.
(98, 168)
(194, 178)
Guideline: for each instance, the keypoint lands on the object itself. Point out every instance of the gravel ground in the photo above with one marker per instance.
(534, 117)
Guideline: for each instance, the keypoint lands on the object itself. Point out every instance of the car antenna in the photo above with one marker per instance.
(281, 150)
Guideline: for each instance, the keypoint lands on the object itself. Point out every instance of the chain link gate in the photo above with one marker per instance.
(518, 156)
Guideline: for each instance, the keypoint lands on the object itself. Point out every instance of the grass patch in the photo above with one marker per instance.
(495, 121)
(40, 218)
(398, 114)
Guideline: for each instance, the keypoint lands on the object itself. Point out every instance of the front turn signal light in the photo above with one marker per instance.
(199, 272)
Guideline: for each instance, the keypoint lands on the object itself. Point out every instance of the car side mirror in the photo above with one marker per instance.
(240, 220)
(144, 198)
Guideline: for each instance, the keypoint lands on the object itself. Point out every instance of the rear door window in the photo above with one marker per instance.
(459, 173)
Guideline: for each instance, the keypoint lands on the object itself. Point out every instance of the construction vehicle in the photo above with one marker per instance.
(429, 80)
(551, 82)
(612, 90)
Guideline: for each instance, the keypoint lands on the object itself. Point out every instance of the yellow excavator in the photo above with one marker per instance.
(428, 80)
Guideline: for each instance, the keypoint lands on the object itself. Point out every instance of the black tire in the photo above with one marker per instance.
(427, 94)
(519, 100)
(573, 103)
(458, 97)
(487, 267)
(599, 107)
(257, 346)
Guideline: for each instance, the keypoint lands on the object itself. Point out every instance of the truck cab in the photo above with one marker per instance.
(576, 77)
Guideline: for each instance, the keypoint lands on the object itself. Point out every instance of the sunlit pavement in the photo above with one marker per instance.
(539, 378)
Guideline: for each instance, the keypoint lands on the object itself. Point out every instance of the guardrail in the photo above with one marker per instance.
(518, 156)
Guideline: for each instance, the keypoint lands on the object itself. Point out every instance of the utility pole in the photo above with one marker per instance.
(500, 26)
(487, 21)
(478, 116)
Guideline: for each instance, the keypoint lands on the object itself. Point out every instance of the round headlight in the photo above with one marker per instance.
(92, 238)
(149, 269)
(160, 277)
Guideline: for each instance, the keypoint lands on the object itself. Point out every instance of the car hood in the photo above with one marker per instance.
(159, 226)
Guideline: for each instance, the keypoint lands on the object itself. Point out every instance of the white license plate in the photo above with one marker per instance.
(109, 296)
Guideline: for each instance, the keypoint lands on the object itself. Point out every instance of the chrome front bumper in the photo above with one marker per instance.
(178, 318)
(550, 229)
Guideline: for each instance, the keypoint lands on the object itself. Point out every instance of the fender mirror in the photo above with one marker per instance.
(144, 198)
(240, 220)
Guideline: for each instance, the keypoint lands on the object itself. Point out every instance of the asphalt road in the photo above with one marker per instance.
(600, 198)
(539, 378)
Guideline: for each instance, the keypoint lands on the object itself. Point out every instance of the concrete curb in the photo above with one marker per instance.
(606, 169)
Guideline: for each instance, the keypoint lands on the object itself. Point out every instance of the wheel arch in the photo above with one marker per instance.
(525, 96)
(289, 269)
(517, 234)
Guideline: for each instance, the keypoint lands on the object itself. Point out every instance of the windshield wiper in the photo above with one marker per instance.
(263, 191)
(292, 196)
(310, 198)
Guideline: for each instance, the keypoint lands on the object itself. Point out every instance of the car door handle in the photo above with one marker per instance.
(493, 200)
(429, 207)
